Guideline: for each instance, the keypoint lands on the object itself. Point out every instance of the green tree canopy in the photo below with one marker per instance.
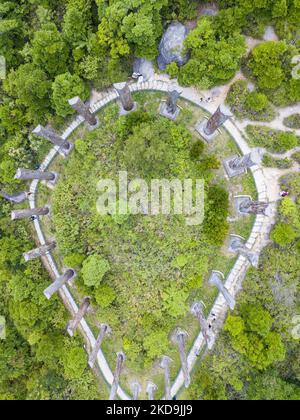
(93, 270)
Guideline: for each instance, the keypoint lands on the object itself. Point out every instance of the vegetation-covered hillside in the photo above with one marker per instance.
(58, 49)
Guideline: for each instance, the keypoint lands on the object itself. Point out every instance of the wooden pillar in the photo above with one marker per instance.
(52, 136)
(27, 213)
(104, 330)
(72, 325)
(28, 175)
(83, 110)
(39, 252)
(59, 282)
(165, 364)
(116, 381)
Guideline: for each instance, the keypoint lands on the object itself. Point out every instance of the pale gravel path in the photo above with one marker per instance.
(267, 189)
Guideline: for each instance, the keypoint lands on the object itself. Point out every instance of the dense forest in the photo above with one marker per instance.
(57, 49)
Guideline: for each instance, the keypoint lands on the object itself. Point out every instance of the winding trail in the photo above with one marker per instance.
(277, 123)
(267, 188)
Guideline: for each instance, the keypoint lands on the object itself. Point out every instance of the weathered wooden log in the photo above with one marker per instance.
(104, 330)
(83, 110)
(125, 96)
(136, 390)
(179, 338)
(39, 252)
(17, 198)
(59, 283)
(72, 325)
(165, 364)
(28, 175)
(27, 213)
(116, 381)
(217, 120)
(151, 389)
(172, 101)
(197, 310)
(51, 136)
(216, 280)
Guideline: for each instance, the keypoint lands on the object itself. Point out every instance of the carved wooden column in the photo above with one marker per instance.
(17, 198)
(197, 310)
(237, 245)
(151, 389)
(104, 330)
(83, 110)
(125, 97)
(179, 339)
(170, 109)
(209, 129)
(136, 390)
(165, 365)
(115, 385)
(53, 137)
(237, 165)
(217, 280)
(72, 325)
(27, 213)
(248, 206)
(59, 283)
(39, 252)
(28, 175)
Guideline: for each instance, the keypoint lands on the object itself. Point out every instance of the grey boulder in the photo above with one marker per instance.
(171, 47)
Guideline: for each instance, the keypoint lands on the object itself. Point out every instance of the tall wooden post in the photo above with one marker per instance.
(136, 390)
(197, 310)
(104, 330)
(179, 339)
(125, 96)
(83, 110)
(17, 198)
(116, 381)
(27, 213)
(165, 364)
(217, 280)
(53, 137)
(151, 389)
(59, 282)
(28, 175)
(72, 325)
(39, 252)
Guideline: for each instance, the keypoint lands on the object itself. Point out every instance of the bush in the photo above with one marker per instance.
(296, 157)
(273, 140)
(105, 296)
(74, 260)
(65, 87)
(197, 150)
(283, 234)
(293, 121)
(74, 361)
(244, 104)
(256, 101)
(172, 70)
(215, 223)
(271, 162)
(94, 269)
